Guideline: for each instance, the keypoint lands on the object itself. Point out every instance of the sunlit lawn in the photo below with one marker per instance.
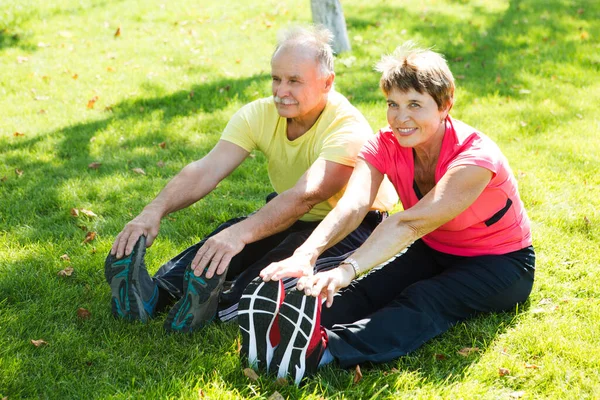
(158, 94)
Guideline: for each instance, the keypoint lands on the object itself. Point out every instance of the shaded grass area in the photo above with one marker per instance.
(526, 74)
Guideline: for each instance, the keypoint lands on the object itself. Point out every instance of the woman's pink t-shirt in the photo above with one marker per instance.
(496, 223)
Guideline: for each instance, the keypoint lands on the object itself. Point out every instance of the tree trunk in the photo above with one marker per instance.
(329, 14)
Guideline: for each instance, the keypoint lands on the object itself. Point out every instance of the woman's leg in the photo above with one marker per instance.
(423, 310)
(376, 289)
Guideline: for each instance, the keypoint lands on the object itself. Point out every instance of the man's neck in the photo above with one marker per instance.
(297, 127)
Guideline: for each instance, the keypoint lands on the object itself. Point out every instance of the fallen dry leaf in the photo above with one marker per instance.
(281, 382)
(95, 165)
(38, 342)
(201, 394)
(18, 134)
(82, 313)
(160, 164)
(251, 374)
(532, 366)
(357, 375)
(276, 396)
(467, 351)
(162, 145)
(440, 357)
(18, 171)
(74, 76)
(4, 178)
(118, 32)
(74, 212)
(139, 171)
(92, 101)
(66, 272)
(517, 395)
(110, 69)
(503, 371)
(42, 111)
(89, 237)
(87, 212)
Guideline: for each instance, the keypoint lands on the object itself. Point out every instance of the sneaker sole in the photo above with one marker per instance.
(199, 303)
(257, 312)
(126, 302)
(297, 322)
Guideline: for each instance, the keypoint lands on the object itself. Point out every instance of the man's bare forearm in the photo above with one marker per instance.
(274, 217)
(186, 188)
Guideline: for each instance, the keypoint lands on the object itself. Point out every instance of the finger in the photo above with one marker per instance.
(285, 272)
(123, 244)
(318, 286)
(330, 293)
(196, 260)
(131, 241)
(267, 272)
(206, 264)
(198, 256)
(301, 284)
(224, 264)
(113, 249)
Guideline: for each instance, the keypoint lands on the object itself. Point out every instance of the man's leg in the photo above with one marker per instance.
(170, 276)
(200, 296)
(295, 236)
(431, 306)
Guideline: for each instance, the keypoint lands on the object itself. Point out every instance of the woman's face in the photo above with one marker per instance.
(414, 118)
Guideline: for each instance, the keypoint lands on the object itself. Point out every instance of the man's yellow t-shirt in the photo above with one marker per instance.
(337, 136)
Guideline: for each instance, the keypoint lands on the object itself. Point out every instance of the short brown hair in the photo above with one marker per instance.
(411, 67)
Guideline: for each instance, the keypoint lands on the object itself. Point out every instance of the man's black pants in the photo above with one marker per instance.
(246, 265)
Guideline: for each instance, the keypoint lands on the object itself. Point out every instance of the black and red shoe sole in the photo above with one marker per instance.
(298, 320)
(257, 313)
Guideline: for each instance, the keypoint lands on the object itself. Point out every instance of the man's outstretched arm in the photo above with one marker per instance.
(192, 183)
(323, 180)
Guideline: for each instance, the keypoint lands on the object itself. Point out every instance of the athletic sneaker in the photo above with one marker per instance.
(302, 339)
(198, 306)
(134, 293)
(257, 318)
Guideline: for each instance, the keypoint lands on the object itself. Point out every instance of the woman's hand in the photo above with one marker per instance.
(295, 266)
(327, 284)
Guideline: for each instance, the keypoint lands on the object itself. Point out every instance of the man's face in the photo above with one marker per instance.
(299, 90)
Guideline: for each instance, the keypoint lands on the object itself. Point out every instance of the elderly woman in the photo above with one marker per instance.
(461, 246)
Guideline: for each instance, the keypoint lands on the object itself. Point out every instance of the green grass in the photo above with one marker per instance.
(527, 76)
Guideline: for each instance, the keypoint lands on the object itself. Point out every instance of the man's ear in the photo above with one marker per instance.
(329, 82)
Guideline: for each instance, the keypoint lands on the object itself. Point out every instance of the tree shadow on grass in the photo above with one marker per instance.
(489, 57)
(43, 179)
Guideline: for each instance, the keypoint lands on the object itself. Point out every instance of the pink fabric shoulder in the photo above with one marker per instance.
(496, 223)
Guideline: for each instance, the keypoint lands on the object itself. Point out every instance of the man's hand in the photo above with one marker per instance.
(326, 284)
(147, 224)
(295, 266)
(216, 253)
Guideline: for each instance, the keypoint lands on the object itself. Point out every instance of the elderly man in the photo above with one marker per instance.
(310, 135)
